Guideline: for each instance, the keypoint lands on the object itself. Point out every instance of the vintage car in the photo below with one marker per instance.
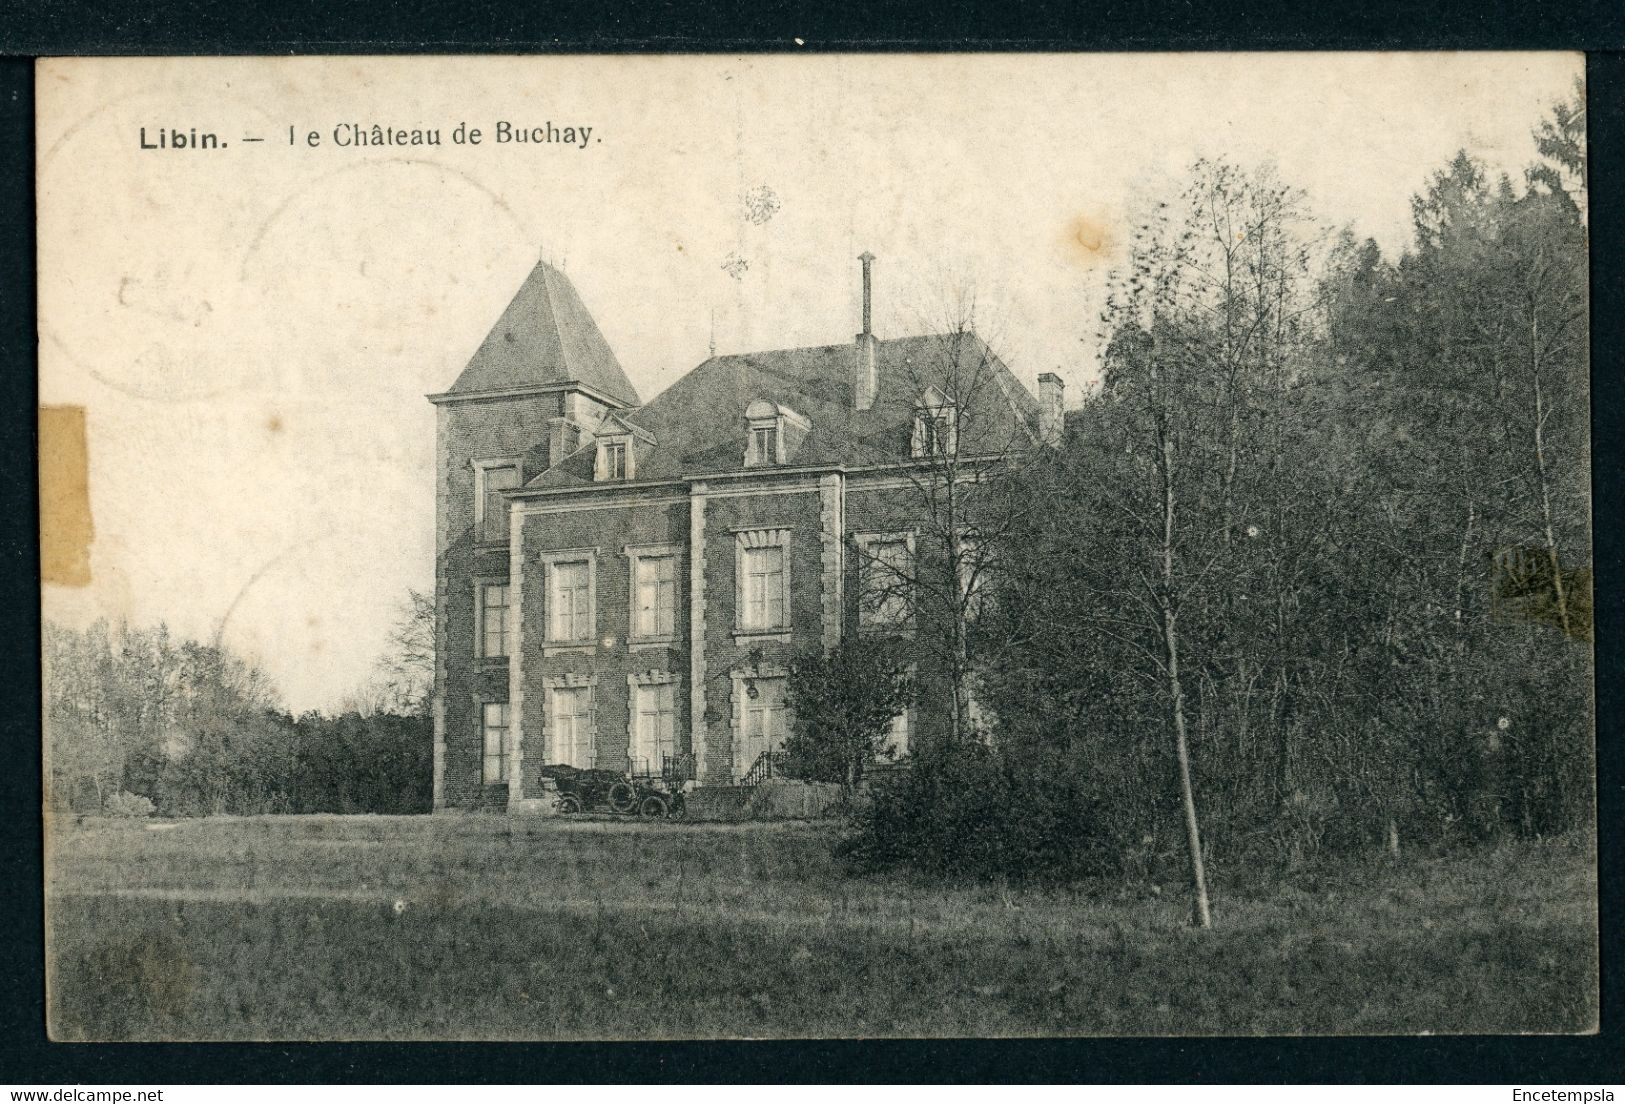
(583, 790)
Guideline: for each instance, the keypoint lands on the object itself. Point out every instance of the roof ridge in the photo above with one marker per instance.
(825, 345)
(548, 272)
(699, 417)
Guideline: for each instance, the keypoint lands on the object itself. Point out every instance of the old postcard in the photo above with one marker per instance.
(799, 546)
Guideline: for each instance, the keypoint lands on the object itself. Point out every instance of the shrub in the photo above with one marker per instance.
(962, 813)
(126, 804)
(844, 701)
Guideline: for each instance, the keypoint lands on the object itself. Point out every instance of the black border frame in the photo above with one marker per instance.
(53, 27)
(50, 27)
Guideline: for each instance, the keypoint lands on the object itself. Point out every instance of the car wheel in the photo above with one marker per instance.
(622, 797)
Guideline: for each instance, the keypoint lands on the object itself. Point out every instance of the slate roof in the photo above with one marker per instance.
(545, 338)
(698, 423)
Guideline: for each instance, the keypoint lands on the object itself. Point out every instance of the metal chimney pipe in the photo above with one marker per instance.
(868, 259)
(866, 381)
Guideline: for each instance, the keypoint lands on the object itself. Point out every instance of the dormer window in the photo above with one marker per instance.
(764, 446)
(772, 433)
(614, 460)
(936, 425)
(617, 457)
(765, 443)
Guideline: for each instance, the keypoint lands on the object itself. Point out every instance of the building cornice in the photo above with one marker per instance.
(620, 494)
(448, 397)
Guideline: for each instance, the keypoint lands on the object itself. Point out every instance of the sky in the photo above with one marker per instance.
(252, 329)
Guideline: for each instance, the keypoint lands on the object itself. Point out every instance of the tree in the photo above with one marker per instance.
(1159, 421)
(1561, 143)
(1203, 332)
(85, 750)
(197, 730)
(1325, 525)
(406, 671)
(1479, 399)
(970, 440)
(844, 702)
(189, 725)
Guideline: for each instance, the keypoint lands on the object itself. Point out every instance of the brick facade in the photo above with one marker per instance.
(689, 496)
(701, 521)
(475, 430)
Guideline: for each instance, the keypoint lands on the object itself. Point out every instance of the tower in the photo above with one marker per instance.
(529, 396)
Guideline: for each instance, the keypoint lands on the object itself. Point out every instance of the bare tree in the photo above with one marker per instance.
(971, 436)
(1200, 334)
(406, 671)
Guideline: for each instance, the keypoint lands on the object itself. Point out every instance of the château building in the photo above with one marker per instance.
(622, 584)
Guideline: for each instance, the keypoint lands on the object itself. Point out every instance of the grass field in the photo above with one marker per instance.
(486, 928)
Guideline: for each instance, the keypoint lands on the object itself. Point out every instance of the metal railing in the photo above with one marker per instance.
(674, 770)
(677, 769)
(769, 764)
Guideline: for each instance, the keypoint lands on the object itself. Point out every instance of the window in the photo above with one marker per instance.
(764, 588)
(936, 425)
(617, 456)
(493, 613)
(765, 432)
(933, 435)
(764, 445)
(972, 577)
(762, 583)
(655, 580)
(885, 586)
(896, 745)
(570, 600)
(654, 724)
(572, 741)
(936, 434)
(494, 727)
(491, 478)
(613, 460)
(978, 718)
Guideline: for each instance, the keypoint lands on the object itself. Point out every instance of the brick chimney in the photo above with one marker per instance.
(1051, 407)
(563, 438)
(864, 382)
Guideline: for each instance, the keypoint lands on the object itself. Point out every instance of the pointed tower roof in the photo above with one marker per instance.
(545, 339)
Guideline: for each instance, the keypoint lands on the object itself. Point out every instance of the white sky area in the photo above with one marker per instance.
(253, 330)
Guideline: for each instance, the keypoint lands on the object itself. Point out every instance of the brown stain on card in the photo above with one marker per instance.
(65, 525)
(1087, 240)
